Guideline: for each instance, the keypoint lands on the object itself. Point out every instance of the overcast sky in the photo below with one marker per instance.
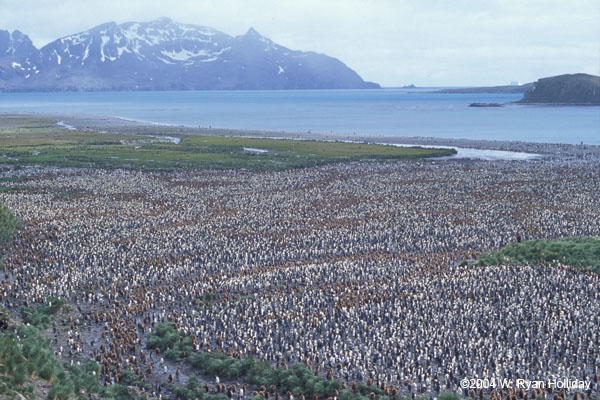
(391, 42)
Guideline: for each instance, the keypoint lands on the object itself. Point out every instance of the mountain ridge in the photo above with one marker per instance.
(165, 55)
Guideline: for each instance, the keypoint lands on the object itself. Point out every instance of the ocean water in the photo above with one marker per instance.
(386, 112)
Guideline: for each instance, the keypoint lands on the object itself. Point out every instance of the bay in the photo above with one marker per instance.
(384, 112)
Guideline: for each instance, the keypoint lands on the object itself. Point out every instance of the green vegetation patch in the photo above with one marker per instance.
(4, 189)
(26, 358)
(8, 224)
(581, 252)
(298, 379)
(42, 315)
(24, 122)
(68, 148)
(26, 354)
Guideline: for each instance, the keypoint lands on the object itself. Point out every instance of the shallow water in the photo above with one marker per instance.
(480, 154)
(389, 112)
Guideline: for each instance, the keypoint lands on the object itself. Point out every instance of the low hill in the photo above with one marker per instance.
(489, 89)
(581, 89)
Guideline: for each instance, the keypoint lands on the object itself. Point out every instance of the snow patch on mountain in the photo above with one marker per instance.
(183, 55)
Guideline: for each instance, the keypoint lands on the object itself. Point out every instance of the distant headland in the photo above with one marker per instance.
(568, 89)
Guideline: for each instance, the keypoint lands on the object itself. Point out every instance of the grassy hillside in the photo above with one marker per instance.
(565, 89)
(581, 252)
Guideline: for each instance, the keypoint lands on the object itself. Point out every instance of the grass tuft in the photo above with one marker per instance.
(580, 252)
(8, 225)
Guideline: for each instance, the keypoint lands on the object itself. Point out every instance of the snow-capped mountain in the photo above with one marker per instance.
(19, 59)
(165, 55)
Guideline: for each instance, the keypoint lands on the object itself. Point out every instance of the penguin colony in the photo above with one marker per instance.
(352, 269)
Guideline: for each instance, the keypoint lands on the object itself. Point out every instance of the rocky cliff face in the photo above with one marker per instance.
(565, 89)
(165, 55)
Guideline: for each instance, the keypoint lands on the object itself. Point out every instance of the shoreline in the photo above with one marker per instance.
(124, 126)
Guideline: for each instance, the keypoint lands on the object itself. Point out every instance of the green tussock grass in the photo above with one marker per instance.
(27, 358)
(65, 148)
(8, 224)
(581, 252)
(297, 379)
(42, 315)
(4, 189)
(25, 354)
